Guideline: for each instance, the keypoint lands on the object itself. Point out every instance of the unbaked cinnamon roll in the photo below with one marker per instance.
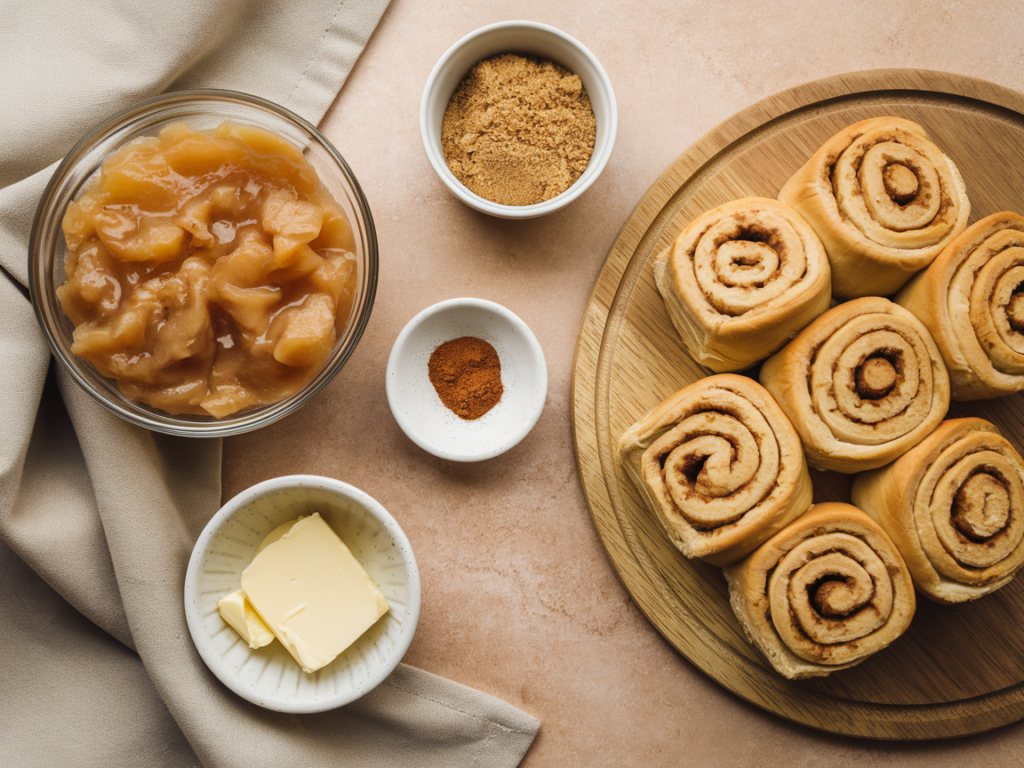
(720, 466)
(954, 506)
(741, 279)
(862, 384)
(971, 298)
(883, 199)
(824, 593)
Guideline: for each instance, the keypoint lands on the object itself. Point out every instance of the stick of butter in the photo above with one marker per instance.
(237, 611)
(312, 593)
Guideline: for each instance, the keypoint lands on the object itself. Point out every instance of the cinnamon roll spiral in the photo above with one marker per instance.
(720, 466)
(954, 506)
(741, 279)
(824, 593)
(862, 384)
(883, 199)
(971, 298)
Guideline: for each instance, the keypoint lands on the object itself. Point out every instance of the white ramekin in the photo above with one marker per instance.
(416, 405)
(269, 676)
(530, 38)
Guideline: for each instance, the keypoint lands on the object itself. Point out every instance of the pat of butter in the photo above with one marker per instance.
(312, 593)
(237, 611)
(277, 533)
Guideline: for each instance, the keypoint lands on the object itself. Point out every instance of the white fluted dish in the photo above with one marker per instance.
(269, 676)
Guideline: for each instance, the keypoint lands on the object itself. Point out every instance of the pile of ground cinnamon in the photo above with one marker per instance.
(466, 373)
(518, 130)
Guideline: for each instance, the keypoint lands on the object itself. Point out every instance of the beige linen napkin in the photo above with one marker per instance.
(97, 517)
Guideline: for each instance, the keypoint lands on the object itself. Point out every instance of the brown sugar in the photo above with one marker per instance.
(466, 373)
(519, 130)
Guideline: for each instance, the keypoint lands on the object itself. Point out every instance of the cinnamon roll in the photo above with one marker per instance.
(720, 466)
(741, 279)
(862, 384)
(883, 199)
(954, 506)
(824, 593)
(971, 298)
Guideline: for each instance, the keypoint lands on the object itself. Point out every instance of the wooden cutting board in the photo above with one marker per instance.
(958, 670)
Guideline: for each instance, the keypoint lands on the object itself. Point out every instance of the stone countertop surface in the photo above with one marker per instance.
(519, 598)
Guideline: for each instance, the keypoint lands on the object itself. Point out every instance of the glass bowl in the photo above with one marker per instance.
(200, 110)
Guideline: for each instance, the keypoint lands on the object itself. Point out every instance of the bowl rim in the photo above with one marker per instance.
(245, 421)
(351, 493)
(436, 156)
(401, 344)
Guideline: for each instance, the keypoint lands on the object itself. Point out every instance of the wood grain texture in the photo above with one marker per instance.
(958, 670)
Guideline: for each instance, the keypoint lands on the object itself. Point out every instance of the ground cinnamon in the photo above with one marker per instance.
(466, 373)
(519, 130)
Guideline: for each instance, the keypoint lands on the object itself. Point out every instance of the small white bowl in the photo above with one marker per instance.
(269, 676)
(530, 38)
(418, 408)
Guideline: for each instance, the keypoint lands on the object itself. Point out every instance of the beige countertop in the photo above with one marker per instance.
(519, 598)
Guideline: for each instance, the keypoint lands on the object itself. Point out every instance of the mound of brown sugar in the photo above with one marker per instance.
(518, 130)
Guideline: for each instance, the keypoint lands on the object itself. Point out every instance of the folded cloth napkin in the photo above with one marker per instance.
(98, 517)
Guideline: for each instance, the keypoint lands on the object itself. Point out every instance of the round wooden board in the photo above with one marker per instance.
(958, 670)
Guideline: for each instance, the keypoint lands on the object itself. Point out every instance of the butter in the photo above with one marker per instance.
(237, 611)
(311, 592)
(277, 533)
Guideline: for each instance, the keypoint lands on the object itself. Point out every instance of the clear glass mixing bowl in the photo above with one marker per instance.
(200, 110)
